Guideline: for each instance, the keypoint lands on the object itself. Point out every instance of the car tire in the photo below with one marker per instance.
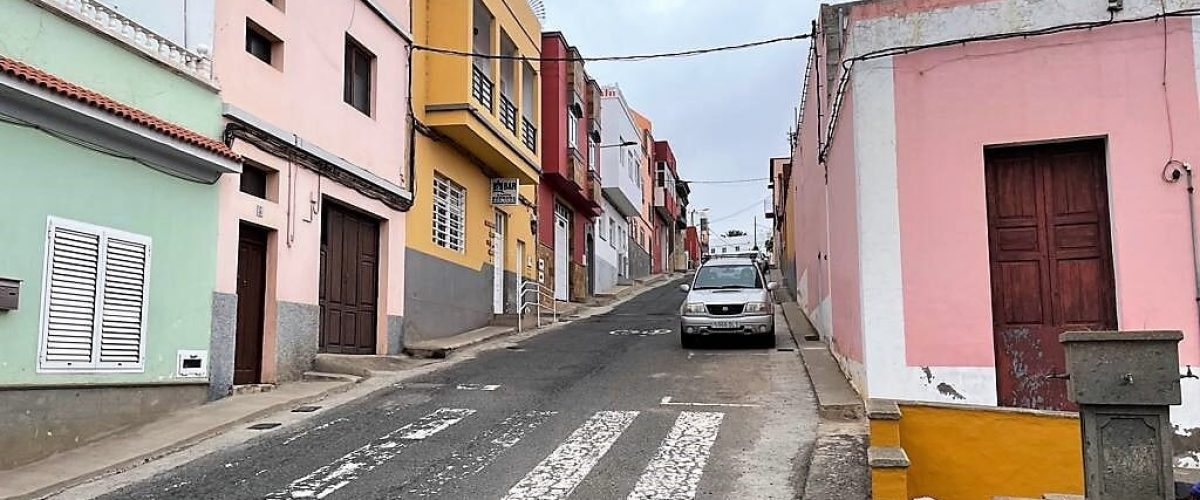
(766, 340)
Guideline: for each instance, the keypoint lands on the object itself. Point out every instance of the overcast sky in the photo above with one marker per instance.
(725, 114)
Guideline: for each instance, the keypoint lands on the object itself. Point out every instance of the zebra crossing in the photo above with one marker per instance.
(674, 472)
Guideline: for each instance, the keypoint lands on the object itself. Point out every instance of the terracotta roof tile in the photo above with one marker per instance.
(35, 76)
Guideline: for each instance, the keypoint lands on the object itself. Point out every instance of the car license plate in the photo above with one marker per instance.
(724, 325)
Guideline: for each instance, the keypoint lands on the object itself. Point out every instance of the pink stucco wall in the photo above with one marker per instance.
(301, 93)
(950, 103)
(828, 231)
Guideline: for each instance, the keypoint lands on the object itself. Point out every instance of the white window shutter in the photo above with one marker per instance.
(73, 269)
(123, 314)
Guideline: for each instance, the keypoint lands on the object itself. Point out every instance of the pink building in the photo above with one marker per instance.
(957, 204)
(311, 256)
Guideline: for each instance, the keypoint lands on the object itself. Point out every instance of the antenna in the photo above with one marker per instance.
(539, 9)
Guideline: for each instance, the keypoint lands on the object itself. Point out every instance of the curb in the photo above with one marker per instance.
(178, 446)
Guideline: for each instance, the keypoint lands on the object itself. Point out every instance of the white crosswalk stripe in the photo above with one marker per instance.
(330, 478)
(561, 472)
(675, 471)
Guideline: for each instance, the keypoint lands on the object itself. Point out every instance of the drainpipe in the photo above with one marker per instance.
(1171, 174)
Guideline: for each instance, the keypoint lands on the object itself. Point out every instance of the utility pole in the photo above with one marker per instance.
(754, 230)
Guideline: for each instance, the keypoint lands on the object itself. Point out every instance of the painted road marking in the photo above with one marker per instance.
(330, 478)
(478, 387)
(318, 428)
(675, 471)
(640, 333)
(482, 451)
(666, 401)
(561, 472)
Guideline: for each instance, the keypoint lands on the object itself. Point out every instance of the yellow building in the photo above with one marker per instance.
(478, 120)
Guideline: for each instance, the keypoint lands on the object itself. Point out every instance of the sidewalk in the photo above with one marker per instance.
(838, 467)
(337, 380)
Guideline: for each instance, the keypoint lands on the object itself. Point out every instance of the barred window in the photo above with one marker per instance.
(449, 212)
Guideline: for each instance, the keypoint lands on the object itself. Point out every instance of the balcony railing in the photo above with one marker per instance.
(528, 134)
(111, 22)
(508, 113)
(481, 87)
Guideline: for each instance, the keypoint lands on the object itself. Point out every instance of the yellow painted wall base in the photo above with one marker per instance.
(885, 432)
(975, 453)
(889, 484)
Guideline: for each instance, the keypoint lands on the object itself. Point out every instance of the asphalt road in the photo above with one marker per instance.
(605, 407)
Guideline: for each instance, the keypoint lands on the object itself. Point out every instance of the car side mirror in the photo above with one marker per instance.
(771, 285)
(685, 288)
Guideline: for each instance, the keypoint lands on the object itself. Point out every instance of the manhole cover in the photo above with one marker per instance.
(306, 409)
(264, 426)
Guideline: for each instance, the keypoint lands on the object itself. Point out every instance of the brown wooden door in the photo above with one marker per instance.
(349, 274)
(251, 293)
(1051, 263)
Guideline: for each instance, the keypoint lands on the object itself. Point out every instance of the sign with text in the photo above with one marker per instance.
(505, 192)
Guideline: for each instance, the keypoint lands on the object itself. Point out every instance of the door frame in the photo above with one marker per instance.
(260, 236)
(499, 242)
(328, 204)
(1039, 153)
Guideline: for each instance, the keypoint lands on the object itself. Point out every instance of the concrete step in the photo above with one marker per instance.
(836, 398)
(362, 365)
(252, 388)
(330, 377)
(440, 348)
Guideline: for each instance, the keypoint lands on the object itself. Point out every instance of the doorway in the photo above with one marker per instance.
(562, 252)
(349, 280)
(1051, 263)
(498, 263)
(251, 302)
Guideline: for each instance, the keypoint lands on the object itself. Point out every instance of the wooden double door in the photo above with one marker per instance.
(1051, 263)
(349, 293)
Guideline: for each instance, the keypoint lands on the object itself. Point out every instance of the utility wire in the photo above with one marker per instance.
(756, 204)
(626, 58)
(730, 181)
(848, 64)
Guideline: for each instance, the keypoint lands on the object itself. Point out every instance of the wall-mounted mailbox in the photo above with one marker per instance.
(10, 294)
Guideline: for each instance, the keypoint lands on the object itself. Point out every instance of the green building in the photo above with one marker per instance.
(108, 240)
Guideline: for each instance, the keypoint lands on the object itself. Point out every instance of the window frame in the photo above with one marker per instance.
(274, 44)
(449, 187)
(95, 365)
(349, 73)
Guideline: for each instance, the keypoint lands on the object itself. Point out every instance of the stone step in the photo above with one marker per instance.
(330, 377)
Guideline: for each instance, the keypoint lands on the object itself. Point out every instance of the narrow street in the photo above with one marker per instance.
(606, 407)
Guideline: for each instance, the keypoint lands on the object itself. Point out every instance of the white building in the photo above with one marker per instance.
(621, 181)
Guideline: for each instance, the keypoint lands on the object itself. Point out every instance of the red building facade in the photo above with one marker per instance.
(568, 195)
(666, 207)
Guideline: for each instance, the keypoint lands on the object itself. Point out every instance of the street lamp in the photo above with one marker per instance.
(621, 145)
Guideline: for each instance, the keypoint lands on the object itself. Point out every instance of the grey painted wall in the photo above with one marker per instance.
(36, 423)
(639, 260)
(221, 350)
(443, 298)
(296, 337)
(395, 334)
(606, 276)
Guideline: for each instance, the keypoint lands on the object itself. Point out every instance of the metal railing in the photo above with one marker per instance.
(508, 113)
(481, 87)
(541, 294)
(529, 134)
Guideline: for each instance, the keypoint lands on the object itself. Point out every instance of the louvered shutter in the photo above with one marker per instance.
(124, 303)
(73, 278)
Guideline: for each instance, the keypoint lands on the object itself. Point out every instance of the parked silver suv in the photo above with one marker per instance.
(727, 297)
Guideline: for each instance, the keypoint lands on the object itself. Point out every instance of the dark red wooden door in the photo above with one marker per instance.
(1051, 263)
(349, 274)
(251, 294)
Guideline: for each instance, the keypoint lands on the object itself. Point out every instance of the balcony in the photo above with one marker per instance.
(482, 88)
(665, 204)
(508, 114)
(528, 134)
(594, 193)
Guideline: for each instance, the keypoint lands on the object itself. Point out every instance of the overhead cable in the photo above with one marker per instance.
(626, 58)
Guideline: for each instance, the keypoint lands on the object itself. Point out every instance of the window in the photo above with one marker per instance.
(359, 62)
(591, 154)
(449, 211)
(600, 228)
(93, 303)
(262, 44)
(572, 129)
(612, 232)
(256, 181)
